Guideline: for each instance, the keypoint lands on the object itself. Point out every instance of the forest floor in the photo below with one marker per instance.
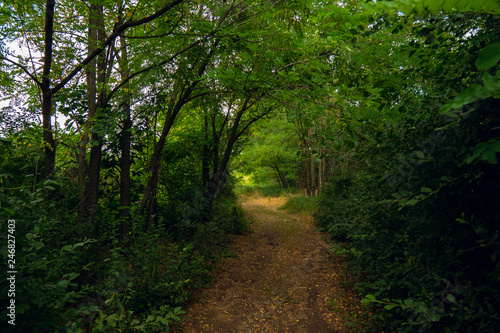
(279, 277)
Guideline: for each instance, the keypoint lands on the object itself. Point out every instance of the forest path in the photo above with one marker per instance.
(281, 279)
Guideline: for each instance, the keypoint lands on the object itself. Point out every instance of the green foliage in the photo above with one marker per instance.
(403, 107)
(432, 6)
(269, 157)
(418, 214)
(68, 282)
(48, 260)
(143, 287)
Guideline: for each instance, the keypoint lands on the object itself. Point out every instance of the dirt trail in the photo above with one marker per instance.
(281, 279)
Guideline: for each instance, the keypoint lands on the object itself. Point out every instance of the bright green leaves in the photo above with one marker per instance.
(436, 5)
(406, 198)
(451, 298)
(269, 153)
(486, 151)
(432, 6)
(489, 57)
(492, 84)
(469, 95)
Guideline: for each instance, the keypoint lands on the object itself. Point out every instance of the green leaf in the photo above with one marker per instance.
(409, 302)
(491, 82)
(490, 156)
(486, 150)
(389, 306)
(469, 95)
(365, 301)
(94, 308)
(66, 248)
(445, 108)
(8, 210)
(419, 154)
(435, 5)
(412, 202)
(451, 298)
(435, 317)
(63, 283)
(424, 32)
(489, 56)
(496, 145)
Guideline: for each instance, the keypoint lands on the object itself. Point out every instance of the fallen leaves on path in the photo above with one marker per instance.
(282, 278)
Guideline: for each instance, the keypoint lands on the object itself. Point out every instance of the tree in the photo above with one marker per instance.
(48, 87)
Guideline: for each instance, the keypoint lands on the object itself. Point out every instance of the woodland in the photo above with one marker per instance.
(129, 128)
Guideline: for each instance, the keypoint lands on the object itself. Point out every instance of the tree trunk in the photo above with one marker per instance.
(205, 158)
(216, 140)
(48, 138)
(216, 180)
(91, 108)
(126, 136)
(149, 197)
(278, 177)
(313, 174)
(281, 178)
(150, 192)
(175, 105)
(307, 169)
(94, 168)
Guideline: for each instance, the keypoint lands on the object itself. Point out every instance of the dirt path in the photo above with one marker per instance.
(281, 279)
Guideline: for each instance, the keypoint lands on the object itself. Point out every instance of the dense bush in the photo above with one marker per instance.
(67, 281)
(429, 236)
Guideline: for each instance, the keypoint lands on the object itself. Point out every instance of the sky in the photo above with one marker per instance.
(16, 50)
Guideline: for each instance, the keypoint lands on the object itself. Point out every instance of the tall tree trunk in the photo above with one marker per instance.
(313, 174)
(307, 169)
(150, 192)
(175, 105)
(216, 180)
(94, 168)
(205, 158)
(320, 175)
(91, 109)
(216, 139)
(277, 177)
(48, 138)
(126, 137)
(149, 198)
(281, 177)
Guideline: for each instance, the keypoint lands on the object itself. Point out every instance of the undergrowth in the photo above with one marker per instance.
(68, 281)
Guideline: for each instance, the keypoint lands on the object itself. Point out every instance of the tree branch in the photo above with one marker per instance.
(24, 70)
(150, 68)
(253, 120)
(117, 31)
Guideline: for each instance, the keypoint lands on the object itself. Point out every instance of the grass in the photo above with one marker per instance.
(296, 203)
(262, 190)
(301, 204)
